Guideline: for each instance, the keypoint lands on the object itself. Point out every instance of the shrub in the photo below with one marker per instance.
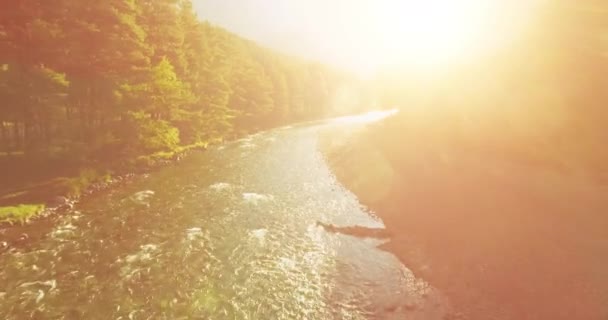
(20, 213)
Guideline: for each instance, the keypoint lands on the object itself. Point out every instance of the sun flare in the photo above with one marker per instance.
(427, 34)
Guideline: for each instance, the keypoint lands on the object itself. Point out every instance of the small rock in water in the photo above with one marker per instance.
(259, 233)
(58, 202)
(144, 254)
(287, 263)
(220, 186)
(256, 198)
(143, 196)
(193, 233)
(247, 144)
(149, 247)
(40, 296)
(63, 230)
(68, 226)
(52, 284)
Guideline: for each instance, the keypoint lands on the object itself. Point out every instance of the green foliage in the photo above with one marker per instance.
(21, 213)
(76, 186)
(152, 160)
(167, 95)
(153, 135)
(93, 82)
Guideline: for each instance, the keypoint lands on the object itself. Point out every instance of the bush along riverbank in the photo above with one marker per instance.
(20, 213)
(31, 210)
(42, 196)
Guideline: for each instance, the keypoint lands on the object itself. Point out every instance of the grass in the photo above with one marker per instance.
(152, 160)
(21, 213)
(77, 185)
(29, 181)
(46, 189)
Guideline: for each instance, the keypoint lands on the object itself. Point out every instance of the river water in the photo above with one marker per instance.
(230, 233)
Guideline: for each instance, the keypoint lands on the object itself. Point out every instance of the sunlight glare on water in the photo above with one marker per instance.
(220, 235)
(369, 117)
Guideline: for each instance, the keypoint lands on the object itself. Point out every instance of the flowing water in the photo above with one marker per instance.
(230, 233)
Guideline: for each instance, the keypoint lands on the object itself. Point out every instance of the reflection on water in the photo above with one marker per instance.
(219, 236)
(371, 116)
(256, 198)
(220, 186)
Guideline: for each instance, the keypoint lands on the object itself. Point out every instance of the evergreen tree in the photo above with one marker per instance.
(108, 79)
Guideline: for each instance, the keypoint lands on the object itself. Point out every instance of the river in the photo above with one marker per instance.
(229, 233)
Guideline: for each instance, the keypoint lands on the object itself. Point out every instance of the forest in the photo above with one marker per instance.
(99, 81)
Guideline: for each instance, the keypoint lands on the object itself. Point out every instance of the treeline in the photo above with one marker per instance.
(85, 79)
(542, 99)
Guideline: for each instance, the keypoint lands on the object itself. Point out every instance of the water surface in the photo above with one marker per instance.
(230, 233)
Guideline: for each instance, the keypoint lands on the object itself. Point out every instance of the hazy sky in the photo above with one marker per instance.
(315, 29)
(364, 35)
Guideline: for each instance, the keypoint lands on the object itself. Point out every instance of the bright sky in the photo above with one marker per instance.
(367, 35)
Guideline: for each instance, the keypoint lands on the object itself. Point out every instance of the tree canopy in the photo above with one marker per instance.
(125, 77)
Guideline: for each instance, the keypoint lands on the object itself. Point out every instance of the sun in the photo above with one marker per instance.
(426, 34)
